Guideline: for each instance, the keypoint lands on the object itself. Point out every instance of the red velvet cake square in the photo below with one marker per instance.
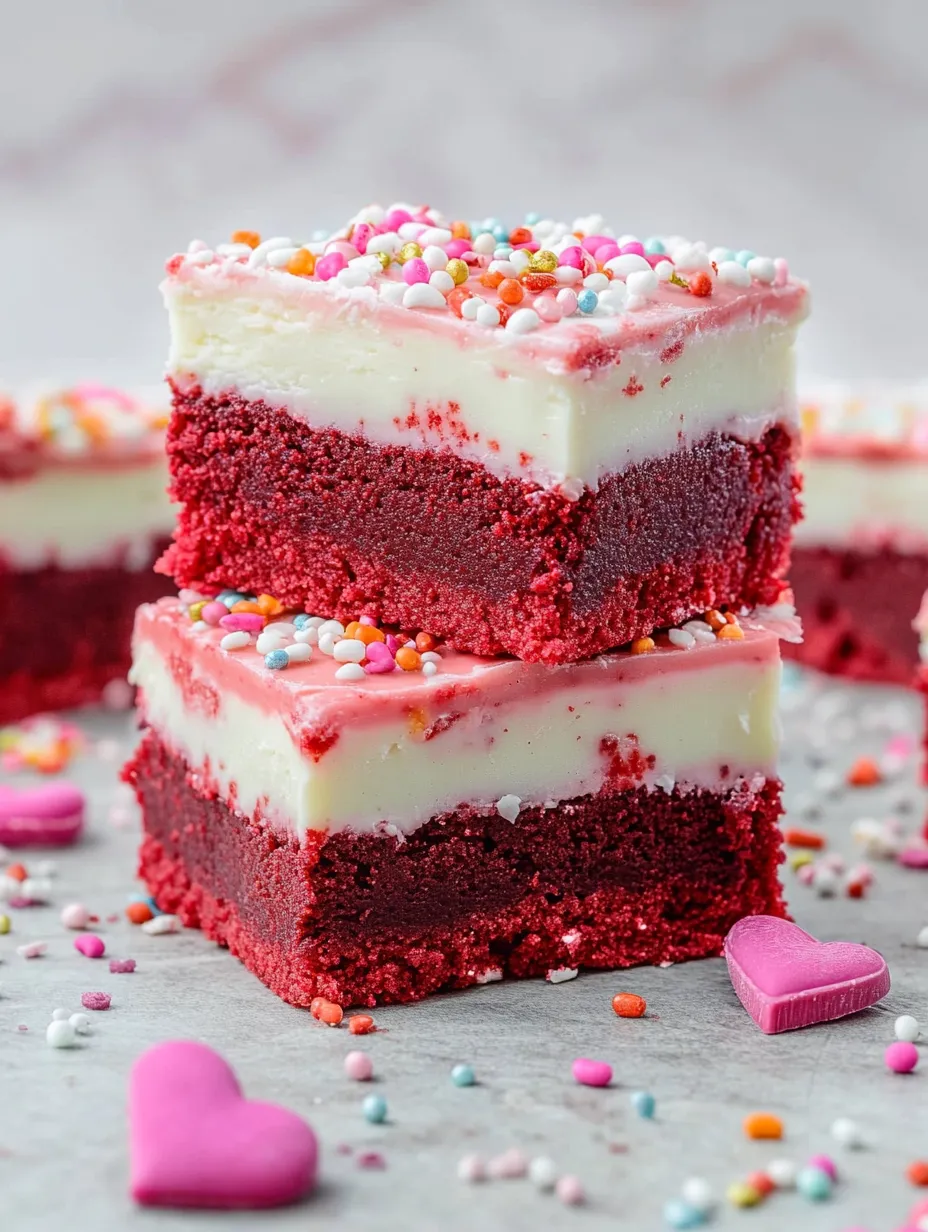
(84, 515)
(860, 556)
(545, 441)
(361, 818)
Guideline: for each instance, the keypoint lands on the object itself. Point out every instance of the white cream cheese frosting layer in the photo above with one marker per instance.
(397, 377)
(861, 501)
(310, 753)
(85, 515)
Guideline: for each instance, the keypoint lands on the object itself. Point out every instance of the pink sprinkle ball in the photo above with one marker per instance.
(567, 301)
(605, 252)
(457, 248)
(96, 1000)
(243, 622)
(395, 219)
(901, 1057)
(122, 966)
(591, 1073)
(415, 270)
(509, 1166)
(572, 257)
(825, 1164)
(361, 235)
(75, 915)
(330, 265)
(90, 945)
(569, 1190)
(212, 613)
(548, 309)
(359, 1066)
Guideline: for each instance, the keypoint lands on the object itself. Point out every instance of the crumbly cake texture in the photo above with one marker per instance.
(591, 436)
(84, 515)
(860, 557)
(274, 821)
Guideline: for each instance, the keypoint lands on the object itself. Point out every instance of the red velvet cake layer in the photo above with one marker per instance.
(627, 877)
(65, 633)
(857, 608)
(423, 539)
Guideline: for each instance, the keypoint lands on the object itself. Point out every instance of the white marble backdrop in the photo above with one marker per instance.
(129, 126)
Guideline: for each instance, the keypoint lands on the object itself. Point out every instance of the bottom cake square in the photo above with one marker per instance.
(377, 834)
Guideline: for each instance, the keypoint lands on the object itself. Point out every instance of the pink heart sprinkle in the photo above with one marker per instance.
(785, 979)
(197, 1142)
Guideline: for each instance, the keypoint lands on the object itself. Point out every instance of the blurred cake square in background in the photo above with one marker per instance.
(84, 514)
(860, 556)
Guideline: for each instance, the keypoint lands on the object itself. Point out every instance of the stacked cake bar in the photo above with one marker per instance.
(481, 542)
(84, 514)
(860, 562)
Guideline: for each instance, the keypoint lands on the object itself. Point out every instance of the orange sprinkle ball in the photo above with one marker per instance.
(762, 1125)
(251, 238)
(329, 1012)
(460, 230)
(364, 633)
(629, 1005)
(732, 633)
(247, 605)
(361, 1024)
(425, 642)
(864, 773)
(408, 659)
(804, 838)
(491, 279)
(917, 1172)
(302, 263)
(700, 284)
(269, 606)
(715, 620)
(139, 913)
(762, 1183)
(520, 235)
(17, 872)
(510, 291)
(641, 645)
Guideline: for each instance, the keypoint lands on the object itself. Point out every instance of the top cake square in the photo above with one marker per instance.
(545, 441)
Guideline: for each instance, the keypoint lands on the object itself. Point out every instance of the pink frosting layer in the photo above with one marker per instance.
(315, 706)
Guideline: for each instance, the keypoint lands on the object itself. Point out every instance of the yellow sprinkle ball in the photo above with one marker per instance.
(458, 270)
(408, 251)
(384, 258)
(543, 261)
(739, 1193)
(196, 608)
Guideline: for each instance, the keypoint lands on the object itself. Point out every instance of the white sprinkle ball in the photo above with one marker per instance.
(435, 258)
(847, 1133)
(32, 949)
(542, 1172)
(80, 1023)
(350, 671)
(734, 273)
(308, 636)
(349, 650)
(680, 637)
(508, 807)
(642, 282)
(520, 260)
(161, 924)
(922, 939)
(299, 652)
(327, 644)
(442, 281)
(234, 641)
(333, 628)
(561, 975)
(664, 270)
(906, 1028)
(36, 889)
(826, 881)
(523, 321)
(597, 282)
(424, 295)
(698, 1193)
(60, 1015)
(75, 915)
(782, 1172)
(628, 263)
(472, 1168)
(269, 641)
(60, 1034)
(429, 669)
(282, 628)
(487, 315)
(485, 243)
(471, 307)
(762, 268)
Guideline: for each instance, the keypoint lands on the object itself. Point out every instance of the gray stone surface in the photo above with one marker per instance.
(63, 1156)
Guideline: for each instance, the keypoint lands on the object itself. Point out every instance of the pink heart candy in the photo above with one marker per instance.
(197, 1142)
(785, 979)
(48, 816)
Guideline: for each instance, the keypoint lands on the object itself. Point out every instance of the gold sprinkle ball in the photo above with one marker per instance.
(458, 270)
(408, 251)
